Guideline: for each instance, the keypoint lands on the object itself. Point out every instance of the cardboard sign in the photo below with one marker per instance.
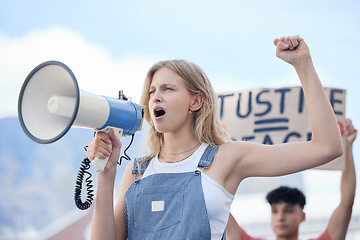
(275, 115)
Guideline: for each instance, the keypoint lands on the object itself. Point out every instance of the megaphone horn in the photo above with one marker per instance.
(50, 103)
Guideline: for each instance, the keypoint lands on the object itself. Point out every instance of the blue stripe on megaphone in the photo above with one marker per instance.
(124, 117)
(123, 114)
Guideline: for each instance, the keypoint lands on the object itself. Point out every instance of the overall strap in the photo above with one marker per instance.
(143, 165)
(208, 156)
(205, 160)
(224, 235)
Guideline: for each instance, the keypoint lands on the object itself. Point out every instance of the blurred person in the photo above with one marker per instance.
(287, 204)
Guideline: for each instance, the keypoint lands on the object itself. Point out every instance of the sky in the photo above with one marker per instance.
(110, 45)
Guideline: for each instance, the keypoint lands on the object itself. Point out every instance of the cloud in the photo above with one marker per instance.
(93, 66)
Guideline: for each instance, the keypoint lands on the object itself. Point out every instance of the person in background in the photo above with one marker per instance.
(287, 204)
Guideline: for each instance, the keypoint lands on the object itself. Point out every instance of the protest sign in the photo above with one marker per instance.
(275, 115)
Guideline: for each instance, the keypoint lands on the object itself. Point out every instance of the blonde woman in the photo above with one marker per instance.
(185, 187)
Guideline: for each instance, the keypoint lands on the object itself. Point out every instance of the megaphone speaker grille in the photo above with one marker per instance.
(46, 80)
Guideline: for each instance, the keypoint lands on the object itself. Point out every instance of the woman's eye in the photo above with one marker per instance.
(151, 92)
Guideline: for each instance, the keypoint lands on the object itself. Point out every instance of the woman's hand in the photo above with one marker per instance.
(105, 145)
(292, 50)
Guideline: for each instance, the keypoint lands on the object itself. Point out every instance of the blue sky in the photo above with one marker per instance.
(231, 41)
(109, 45)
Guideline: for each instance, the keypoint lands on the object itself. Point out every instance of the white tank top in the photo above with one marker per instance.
(217, 199)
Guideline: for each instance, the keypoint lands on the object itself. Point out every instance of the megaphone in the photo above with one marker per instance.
(50, 103)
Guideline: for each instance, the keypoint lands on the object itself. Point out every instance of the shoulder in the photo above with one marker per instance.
(232, 162)
(128, 169)
(324, 236)
(227, 162)
(138, 165)
(127, 179)
(236, 150)
(133, 170)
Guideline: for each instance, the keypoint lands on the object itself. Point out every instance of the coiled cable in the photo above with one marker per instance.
(85, 165)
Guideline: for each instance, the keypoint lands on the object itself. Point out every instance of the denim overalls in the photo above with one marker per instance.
(168, 205)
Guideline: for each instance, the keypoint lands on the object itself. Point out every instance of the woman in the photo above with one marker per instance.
(184, 188)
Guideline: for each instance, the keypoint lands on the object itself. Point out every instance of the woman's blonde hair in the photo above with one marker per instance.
(207, 126)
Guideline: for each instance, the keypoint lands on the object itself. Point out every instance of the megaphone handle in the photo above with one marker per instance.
(98, 163)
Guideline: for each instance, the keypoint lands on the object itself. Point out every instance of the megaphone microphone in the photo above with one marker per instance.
(50, 103)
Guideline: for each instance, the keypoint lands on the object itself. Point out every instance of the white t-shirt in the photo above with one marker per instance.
(217, 199)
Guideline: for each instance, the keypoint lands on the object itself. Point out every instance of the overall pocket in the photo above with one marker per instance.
(157, 208)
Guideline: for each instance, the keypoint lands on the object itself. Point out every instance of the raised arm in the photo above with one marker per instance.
(247, 159)
(326, 137)
(340, 219)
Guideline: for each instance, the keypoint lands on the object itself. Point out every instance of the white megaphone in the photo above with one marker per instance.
(50, 102)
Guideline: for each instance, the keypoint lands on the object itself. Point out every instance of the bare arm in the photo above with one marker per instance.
(249, 159)
(120, 223)
(103, 224)
(340, 219)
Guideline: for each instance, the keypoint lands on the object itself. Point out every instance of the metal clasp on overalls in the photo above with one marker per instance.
(197, 172)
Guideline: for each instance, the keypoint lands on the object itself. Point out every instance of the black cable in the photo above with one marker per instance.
(85, 165)
(126, 157)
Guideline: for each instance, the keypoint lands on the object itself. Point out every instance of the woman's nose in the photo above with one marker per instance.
(156, 97)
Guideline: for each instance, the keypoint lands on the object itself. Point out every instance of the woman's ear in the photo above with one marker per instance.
(197, 102)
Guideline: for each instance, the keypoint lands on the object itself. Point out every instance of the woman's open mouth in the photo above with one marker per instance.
(159, 112)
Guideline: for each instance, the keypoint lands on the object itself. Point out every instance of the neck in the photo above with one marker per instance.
(293, 237)
(179, 146)
(181, 140)
(180, 152)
